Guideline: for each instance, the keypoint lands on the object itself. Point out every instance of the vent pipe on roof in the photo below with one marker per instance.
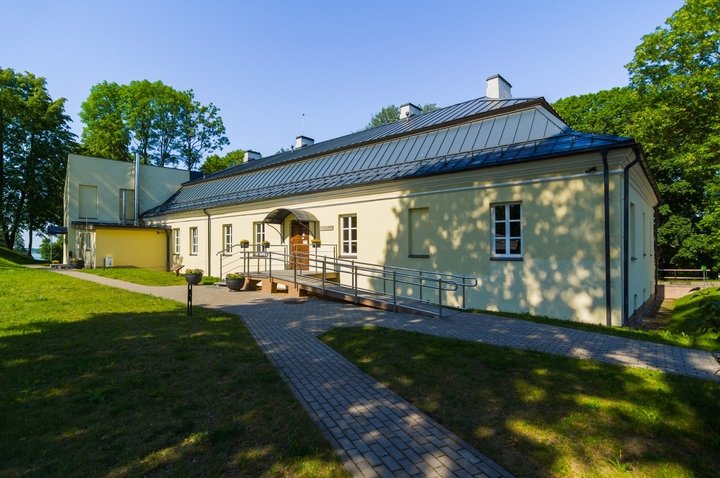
(498, 88)
(302, 141)
(408, 109)
(250, 155)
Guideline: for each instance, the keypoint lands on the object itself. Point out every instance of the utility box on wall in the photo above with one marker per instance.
(108, 262)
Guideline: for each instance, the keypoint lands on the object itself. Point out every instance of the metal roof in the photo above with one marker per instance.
(439, 142)
(277, 216)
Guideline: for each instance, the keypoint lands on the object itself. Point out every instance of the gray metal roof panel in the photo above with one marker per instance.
(564, 144)
(424, 151)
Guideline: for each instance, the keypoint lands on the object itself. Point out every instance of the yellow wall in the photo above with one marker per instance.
(146, 248)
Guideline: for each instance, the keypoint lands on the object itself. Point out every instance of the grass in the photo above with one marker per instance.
(543, 415)
(145, 276)
(11, 258)
(688, 318)
(677, 335)
(98, 381)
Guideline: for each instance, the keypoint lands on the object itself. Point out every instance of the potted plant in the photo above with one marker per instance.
(193, 276)
(244, 243)
(77, 263)
(235, 281)
(265, 244)
(316, 243)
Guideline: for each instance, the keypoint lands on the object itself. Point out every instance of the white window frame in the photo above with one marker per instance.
(227, 239)
(125, 204)
(347, 243)
(193, 241)
(259, 236)
(507, 236)
(422, 232)
(176, 241)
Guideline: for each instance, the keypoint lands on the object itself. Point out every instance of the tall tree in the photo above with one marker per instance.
(34, 142)
(676, 73)
(215, 162)
(105, 133)
(201, 130)
(605, 112)
(391, 113)
(161, 125)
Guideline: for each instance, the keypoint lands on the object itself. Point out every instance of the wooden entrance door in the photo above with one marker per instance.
(299, 246)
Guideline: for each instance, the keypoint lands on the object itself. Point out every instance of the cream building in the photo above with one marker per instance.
(549, 220)
(101, 212)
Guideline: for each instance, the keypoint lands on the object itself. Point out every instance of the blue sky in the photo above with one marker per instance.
(266, 63)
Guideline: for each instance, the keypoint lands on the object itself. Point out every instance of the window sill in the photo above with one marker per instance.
(419, 256)
(347, 256)
(511, 259)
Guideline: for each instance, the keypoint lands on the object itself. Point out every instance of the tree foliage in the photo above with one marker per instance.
(34, 141)
(51, 250)
(672, 108)
(215, 162)
(161, 125)
(676, 73)
(391, 113)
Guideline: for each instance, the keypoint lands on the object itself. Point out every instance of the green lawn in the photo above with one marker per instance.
(681, 336)
(9, 258)
(97, 381)
(543, 415)
(145, 276)
(688, 318)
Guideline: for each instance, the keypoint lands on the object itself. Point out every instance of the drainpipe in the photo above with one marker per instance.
(137, 189)
(209, 242)
(626, 235)
(608, 270)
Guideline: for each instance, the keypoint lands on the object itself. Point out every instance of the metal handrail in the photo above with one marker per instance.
(429, 280)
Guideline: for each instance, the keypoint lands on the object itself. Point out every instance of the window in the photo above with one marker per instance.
(644, 235)
(507, 230)
(176, 241)
(193, 241)
(88, 202)
(633, 233)
(127, 205)
(348, 234)
(227, 238)
(259, 231)
(418, 225)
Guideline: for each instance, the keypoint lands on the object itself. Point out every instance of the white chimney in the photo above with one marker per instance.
(302, 141)
(498, 88)
(250, 155)
(408, 109)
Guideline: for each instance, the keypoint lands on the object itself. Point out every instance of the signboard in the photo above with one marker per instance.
(327, 228)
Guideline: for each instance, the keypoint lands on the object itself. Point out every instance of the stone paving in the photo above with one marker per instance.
(376, 432)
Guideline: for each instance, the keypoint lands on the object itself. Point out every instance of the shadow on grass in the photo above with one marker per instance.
(135, 394)
(544, 415)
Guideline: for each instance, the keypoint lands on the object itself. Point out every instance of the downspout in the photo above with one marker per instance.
(137, 189)
(608, 270)
(626, 236)
(209, 243)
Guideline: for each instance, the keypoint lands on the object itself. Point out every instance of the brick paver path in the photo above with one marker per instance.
(376, 432)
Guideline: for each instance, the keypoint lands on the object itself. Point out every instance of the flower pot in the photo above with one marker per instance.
(193, 279)
(235, 284)
(79, 264)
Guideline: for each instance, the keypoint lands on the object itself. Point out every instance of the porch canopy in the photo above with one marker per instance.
(278, 216)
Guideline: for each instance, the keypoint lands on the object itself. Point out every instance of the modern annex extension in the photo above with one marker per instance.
(549, 220)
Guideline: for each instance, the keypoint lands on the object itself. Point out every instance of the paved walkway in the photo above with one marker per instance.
(377, 432)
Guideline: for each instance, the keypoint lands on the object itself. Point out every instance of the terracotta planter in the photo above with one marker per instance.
(235, 284)
(193, 279)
